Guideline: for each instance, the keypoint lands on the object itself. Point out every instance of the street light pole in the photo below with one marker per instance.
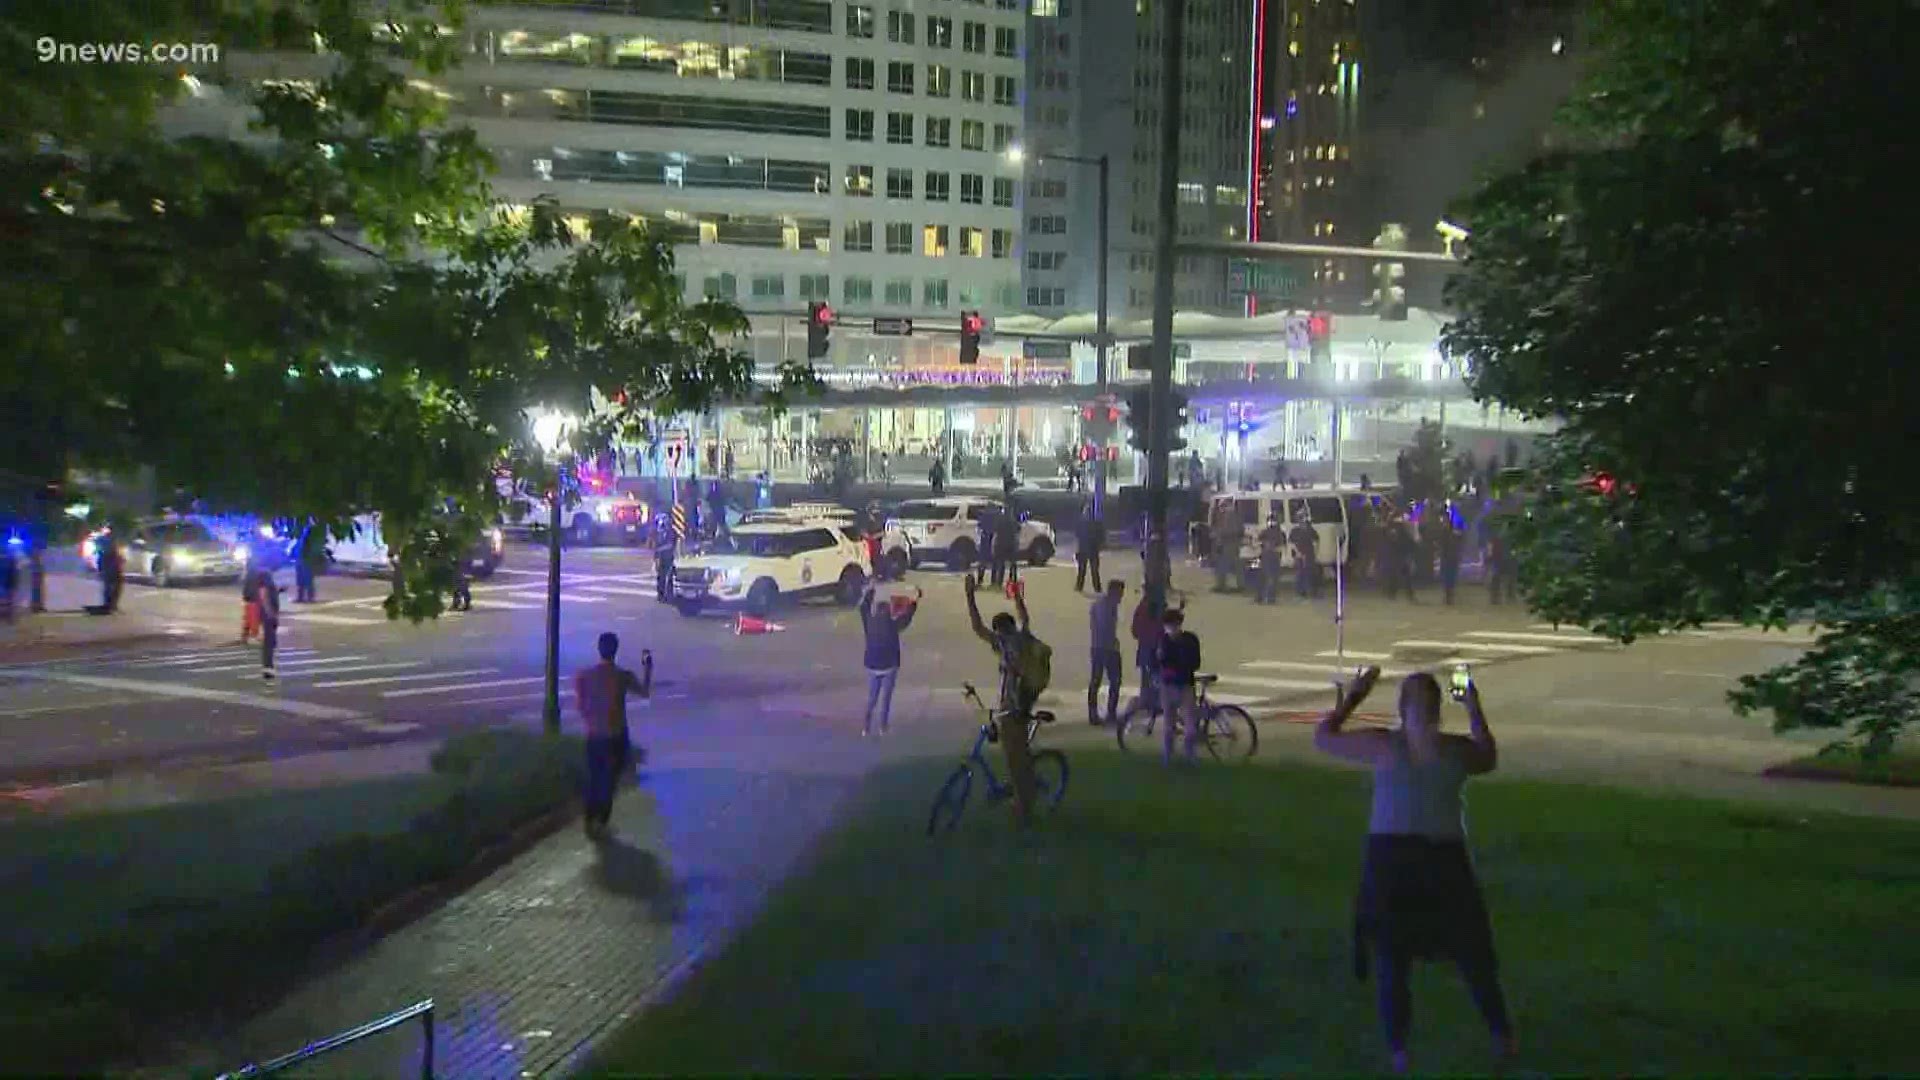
(550, 709)
(1173, 22)
(1102, 373)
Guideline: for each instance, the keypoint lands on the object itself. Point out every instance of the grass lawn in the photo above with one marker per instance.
(115, 924)
(1200, 922)
(1900, 768)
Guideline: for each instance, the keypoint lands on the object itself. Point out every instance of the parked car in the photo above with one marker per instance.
(367, 552)
(170, 551)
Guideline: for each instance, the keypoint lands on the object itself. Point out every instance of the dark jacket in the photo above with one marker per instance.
(883, 634)
(1092, 534)
(1179, 658)
(1006, 534)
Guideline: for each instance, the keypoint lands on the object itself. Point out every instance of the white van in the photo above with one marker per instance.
(366, 550)
(1327, 509)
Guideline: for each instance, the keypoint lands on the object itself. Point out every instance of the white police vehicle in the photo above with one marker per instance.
(757, 566)
(948, 530)
(606, 517)
(366, 550)
(896, 547)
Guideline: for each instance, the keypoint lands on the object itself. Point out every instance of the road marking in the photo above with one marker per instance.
(502, 605)
(283, 662)
(616, 591)
(1519, 635)
(571, 597)
(395, 666)
(336, 620)
(1588, 703)
(495, 699)
(1241, 699)
(199, 693)
(404, 678)
(386, 727)
(201, 658)
(1330, 669)
(1356, 654)
(255, 666)
(155, 659)
(1701, 675)
(418, 690)
(1277, 684)
(1479, 646)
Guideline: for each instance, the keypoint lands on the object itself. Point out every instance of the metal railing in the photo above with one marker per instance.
(422, 1011)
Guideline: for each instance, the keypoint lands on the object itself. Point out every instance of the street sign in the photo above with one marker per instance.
(1262, 280)
(894, 327)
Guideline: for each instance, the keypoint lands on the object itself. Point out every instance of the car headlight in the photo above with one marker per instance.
(266, 532)
(242, 553)
(181, 557)
(603, 513)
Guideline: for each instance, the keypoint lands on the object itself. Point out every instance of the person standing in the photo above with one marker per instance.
(1401, 551)
(1451, 544)
(1008, 481)
(1306, 558)
(1103, 622)
(306, 563)
(1500, 568)
(9, 581)
(113, 570)
(249, 604)
(1418, 895)
(1227, 541)
(664, 545)
(1271, 538)
(883, 624)
(600, 692)
(937, 478)
(267, 596)
(1179, 663)
(1006, 547)
(1091, 537)
(462, 587)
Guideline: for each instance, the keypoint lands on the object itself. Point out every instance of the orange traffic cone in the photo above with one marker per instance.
(750, 624)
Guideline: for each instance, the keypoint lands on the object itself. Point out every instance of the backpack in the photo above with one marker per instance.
(1033, 666)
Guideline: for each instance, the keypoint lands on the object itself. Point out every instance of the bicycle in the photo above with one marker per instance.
(1227, 730)
(1049, 771)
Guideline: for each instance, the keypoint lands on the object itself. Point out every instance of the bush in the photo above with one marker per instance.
(191, 941)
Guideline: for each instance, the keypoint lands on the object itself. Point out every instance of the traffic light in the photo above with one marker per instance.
(1177, 420)
(971, 324)
(1320, 337)
(1139, 417)
(819, 325)
(1389, 294)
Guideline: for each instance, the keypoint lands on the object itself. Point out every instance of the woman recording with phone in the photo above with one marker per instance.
(1418, 897)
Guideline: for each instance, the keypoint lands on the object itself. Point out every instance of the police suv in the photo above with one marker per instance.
(755, 567)
(948, 530)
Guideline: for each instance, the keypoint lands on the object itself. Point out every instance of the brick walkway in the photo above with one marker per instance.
(555, 949)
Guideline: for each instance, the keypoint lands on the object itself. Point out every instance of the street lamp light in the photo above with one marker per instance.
(1101, 378)
(550, 430)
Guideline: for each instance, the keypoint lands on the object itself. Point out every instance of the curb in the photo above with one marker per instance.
(1791, 771)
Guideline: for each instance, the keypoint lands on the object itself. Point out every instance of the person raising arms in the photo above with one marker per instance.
(1418, 895)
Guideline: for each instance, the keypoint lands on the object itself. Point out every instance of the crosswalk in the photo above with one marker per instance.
(1309, 678)
(352, 687)
(514, 590)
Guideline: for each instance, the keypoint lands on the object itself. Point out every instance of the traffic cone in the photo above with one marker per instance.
(754, 624)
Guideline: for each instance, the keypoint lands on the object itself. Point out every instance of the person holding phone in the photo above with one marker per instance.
(1418, 896)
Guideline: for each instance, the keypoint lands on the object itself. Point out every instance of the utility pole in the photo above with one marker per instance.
(1173, 24)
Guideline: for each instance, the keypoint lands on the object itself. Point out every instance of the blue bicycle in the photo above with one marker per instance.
(1049, 771)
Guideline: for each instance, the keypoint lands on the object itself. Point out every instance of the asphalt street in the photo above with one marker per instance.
(1564, 701)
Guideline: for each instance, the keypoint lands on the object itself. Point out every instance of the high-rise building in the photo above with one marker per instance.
(796, 150)
(1095, 76)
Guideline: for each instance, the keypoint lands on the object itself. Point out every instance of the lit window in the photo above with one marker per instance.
(933, 241)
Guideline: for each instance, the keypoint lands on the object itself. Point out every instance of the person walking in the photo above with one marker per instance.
(1418, 896)
(1179, 664)
(462, 587)
(1500, 569)
(1090, 537)
(664, 545)
(883, 624)
(1271, 538)
(1103, 622)
(1400, 552)
(1306, 558)
(600, 693)
(267, 596)
(937, 478)
(113, 573)
(249, 604)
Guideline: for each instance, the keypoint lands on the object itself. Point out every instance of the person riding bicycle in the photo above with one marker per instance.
(1020, 655)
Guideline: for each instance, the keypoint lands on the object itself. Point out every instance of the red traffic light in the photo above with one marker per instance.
(1087, 414)
(822, 315)
(1319, 325)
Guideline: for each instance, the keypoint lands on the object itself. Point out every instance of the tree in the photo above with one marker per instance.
(325, 318)
(1676, 288)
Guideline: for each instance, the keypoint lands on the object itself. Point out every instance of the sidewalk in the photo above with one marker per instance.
(555, 950)
(65, 624)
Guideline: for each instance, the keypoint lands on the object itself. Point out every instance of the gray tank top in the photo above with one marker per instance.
(1411, 799)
